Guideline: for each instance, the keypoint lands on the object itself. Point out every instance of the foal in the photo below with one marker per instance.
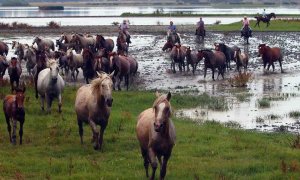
(156, 134)
(13, 107)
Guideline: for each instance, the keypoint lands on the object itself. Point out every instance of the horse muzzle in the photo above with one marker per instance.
(109, 102)
(158, 127)
(54, 80)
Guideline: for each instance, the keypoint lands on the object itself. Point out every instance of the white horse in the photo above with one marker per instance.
(75, 61)
(50, 85)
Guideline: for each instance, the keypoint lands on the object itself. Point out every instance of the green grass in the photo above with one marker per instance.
(52, 148)
(294, 114)
(264, 103)
(275, 25)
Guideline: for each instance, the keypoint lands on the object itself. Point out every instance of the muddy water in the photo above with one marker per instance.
(154, 73)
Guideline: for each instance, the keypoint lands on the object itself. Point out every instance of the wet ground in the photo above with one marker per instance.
(154, 73)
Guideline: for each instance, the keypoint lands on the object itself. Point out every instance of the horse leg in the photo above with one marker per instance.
(280, 65)
(273, 66)
(80, 129)
(146, 161)
(127, 81)
(269, 65)
(77, 72)
(265, 64)
(119, 83)
(95, 133)
(163, 170)
(8, 126)
(14, 131)
(205, 70)
(213, 73)
(101, 135)
(49, 103)
(153, 161)
(59, 103)
(21, 131)
(43, 102)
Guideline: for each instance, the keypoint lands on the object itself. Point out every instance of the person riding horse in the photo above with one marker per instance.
(172, 30)
(124, 28)
(200, 27)
(263, 14)
(246, 26)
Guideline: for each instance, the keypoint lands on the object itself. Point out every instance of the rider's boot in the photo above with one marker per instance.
(128, 39)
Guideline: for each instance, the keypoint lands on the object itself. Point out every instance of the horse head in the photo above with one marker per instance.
(13, 62)
(20, 96)
(162, 110)
(54, 69)
(262, 49)
(168, 45)
(272, 15)
(36, 40)
(103, 86)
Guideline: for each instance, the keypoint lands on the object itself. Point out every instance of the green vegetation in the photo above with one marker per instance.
(294, 114)
(52, 148)
(275, 25)
(243, 97)
(263, 103)
(14, 3)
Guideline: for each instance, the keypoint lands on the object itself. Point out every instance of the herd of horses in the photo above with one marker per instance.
(95, 56)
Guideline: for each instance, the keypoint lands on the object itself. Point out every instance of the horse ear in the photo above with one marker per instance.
(169, 96)
(157, 94)
(111, 74)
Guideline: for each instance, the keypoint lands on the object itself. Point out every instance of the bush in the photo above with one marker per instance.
(263, 103)
(53, 25)
(241, 79)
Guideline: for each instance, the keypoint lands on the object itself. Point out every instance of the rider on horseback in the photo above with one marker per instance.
(246, 24)
(124, 28)
(200, 26)
(264, 14)
(172, 29)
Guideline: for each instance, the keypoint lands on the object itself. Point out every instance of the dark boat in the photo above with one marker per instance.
(51, 8)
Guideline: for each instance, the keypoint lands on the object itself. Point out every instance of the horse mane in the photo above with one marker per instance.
(160, 99)
(96, 84)
(51, 62)
(80, 35)
(207, 50)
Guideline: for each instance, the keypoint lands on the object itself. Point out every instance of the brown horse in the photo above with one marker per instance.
(13, 107)
(122, 45)
(41, 64)
(121, 66)
(3, 48)
(108, 44)
(178, 54)
(168, 45)
(93, 105)
(88, 63)
(3, 66)
(241, 59)
(133, 65)
(156, 134)
(14, 71)
(213, 60)
(192, 59)
(270, 55)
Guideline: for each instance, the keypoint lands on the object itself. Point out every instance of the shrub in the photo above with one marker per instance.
(241, 79)
(53, 25)
(263, 103)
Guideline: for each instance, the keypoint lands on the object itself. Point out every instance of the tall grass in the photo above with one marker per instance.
(52, 148)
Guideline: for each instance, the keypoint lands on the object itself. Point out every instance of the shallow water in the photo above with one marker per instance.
(154, 73)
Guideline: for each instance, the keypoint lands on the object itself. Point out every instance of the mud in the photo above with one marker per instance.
(154, 73)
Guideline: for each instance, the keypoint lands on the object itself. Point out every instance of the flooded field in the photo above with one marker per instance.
(282, 91)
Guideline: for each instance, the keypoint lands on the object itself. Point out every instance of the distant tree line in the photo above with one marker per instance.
(14, 3)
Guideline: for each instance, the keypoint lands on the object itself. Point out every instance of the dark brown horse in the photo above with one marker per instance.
(192, 59)
(168, 45)
(121, 67)
(264, 19)
(133, 65)
(41, 63)
(108, 44)
(3, 66)
(88, 64)
(213, 60)
(156, 134)
(270, 55)
(177, 56)
(14, 71)
(3, 48)
(228, 52)
(122, 45)
(13, 107)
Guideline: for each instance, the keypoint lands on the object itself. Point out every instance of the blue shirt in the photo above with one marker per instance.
(172, 28)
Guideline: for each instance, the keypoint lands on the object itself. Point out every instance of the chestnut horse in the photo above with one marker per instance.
(88, 64)
(213, 60)
(270, 55)
(121, 67)
(122, 45)
(3, 48)
(168, 45)
(178, 53)
(14, 71)
(93, 105)
(108, 44)
(192, 59)
(3, 66)
(156, 134)
(13, 107)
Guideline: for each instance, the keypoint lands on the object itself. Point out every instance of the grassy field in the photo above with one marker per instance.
(52, 148)
(275, 25)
